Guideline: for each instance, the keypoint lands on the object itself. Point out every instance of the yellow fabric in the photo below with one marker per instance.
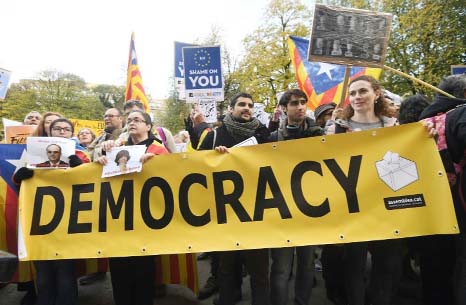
(265, 177)
(96, 126)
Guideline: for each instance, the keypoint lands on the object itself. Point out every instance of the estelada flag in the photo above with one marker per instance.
(322, 82)
(134, 86)
(170, 269)
(12, 157)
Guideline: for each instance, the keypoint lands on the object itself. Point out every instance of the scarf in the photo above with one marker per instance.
(241, 131)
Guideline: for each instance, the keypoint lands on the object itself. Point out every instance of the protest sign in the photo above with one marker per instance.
(179, 68)
(4, 80)
(49, 152)
(349, 36)
(203, 74)
(368, 185)
(123, 160)
(18, 134)
(96, 126)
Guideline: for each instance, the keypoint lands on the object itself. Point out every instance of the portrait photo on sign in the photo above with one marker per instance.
(349, 36)
(123, 160)
(49, 152)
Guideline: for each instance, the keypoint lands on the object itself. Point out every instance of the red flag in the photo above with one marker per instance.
(134, 86)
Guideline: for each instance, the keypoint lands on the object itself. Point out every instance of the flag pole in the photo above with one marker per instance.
(345, 86)
(418, 81)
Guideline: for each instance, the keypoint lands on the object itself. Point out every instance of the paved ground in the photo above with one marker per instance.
(100, 293)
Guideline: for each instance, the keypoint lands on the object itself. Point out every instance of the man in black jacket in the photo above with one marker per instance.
(443, 257)
(297, 125)
(239, 125)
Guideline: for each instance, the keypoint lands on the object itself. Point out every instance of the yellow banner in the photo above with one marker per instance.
(368, 185)
(96, 126)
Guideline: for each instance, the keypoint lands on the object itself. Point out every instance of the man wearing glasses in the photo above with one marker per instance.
(53, 156)
(113, 120)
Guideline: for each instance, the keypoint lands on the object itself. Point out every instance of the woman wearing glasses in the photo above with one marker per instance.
(85, 136)
(56, 279)
(133, 277)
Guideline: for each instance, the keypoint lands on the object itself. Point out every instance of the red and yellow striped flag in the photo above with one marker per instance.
(322, 82)
(134, 86)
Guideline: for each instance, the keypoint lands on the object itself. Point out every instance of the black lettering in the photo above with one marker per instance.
(126, 196)
(348, 183)
(266, 176)
(297, 190)
(41, 192)
(76, 206)
(186, 212)
(222, 199)
(150, 221)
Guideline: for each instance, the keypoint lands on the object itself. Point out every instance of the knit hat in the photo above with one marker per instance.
(323, 108)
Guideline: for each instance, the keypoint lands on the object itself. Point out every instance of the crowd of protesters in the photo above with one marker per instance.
(442, 259)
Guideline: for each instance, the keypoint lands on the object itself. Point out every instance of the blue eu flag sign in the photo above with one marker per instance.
(203, 73)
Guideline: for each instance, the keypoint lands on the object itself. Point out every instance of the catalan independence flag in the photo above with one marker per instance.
(170, 269)
(134, 86)
(322, 82)
(12, 157)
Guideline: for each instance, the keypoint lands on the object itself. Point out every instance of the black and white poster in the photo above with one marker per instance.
(349, 36)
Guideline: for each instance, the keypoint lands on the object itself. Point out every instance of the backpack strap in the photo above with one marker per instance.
(215, 138)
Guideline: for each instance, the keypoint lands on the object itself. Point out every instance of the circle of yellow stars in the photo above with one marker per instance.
(202, 58)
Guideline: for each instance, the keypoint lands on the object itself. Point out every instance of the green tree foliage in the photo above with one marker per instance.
(172, 116)
(110, 96)
(266, 68)
(65, 93)
(427, 37)
(229, 65)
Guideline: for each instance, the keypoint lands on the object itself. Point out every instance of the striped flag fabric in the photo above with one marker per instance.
(322, 82)
(134, 86)
(12, 157)
(170, 269)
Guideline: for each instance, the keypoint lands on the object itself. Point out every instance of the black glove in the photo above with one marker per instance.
(313, 132)
(75, 161)
(262, 134)
(22, 173)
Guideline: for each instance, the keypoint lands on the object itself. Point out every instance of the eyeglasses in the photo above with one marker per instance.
(136, 121)
(111, 116)
(60, 129)
(53, 152)
(33, 117)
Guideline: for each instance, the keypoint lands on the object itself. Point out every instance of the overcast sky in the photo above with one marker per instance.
(90, 38)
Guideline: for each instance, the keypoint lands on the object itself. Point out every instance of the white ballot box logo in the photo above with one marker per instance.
(396, 171)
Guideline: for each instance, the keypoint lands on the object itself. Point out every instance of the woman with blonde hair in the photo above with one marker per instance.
(85, 136)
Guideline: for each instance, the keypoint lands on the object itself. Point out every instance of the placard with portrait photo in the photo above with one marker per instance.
(49, 152)
(123, 160)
